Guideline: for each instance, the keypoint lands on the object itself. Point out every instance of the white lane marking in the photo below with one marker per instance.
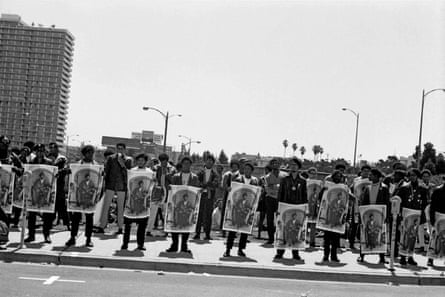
(52, 279)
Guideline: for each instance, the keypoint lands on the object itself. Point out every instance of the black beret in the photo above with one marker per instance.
(87, 148)
(250, 165)
(186, 159)
(376, 172)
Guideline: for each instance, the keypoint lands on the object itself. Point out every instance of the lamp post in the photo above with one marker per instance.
(190, 141)
(357, 116)
(166, 117)
(424, 94)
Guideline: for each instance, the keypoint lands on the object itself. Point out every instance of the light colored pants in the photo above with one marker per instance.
(109, 194)
(153, 212)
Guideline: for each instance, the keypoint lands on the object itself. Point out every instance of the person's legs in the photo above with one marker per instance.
(184, 246)
(210, 201)
(142, 225)
(127, 232)
(75, 220)
(261, 223)
(109, 194)
(279, 254)
(271, 204)
(89, 217)
(120, 209)
(326, 245)
(352, 234)
(31, 226)
(242, 241)
(175, 243)
(201, 212)
(48, 219)
(312, 233)
(335, 243)
(230, 239)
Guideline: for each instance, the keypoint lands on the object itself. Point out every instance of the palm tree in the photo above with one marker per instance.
(316, 151)
(302, 151)
(294, 147)
(321, 151)
(285, 144)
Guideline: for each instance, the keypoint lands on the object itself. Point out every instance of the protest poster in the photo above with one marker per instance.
(39, 183)
(373, 229)
(333, 208)
(291, 226)
(182, 209)
(85, 186)
(139, 185)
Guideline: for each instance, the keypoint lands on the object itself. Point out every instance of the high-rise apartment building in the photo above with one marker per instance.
(35, 71)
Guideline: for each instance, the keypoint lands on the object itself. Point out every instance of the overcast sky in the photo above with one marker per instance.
(248, 74)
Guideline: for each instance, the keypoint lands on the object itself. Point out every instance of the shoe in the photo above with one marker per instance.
(269, 242)
(430, 262)
(142, 248)
(30, 239)
(241, 253)
(335, 260)
(360, 259)
(186, 251)
(99, 230)
(208, 238)
(197, 237)
(119, 232)
(296, 257)
(312, 245)
(411, 261)
(70, 242)
(148, 234)
(278, 257)
(226, 254)
(124, 247)
(89, 243)
(325, 259)
(48, 239)
(382, 260)
(402, 261)
(171, 250)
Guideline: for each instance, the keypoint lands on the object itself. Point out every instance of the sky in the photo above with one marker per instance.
(245, 75)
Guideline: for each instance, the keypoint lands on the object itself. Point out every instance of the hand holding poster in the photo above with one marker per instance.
(182, 209)
(436, 249)
(241, 206)
(140, 184)
(39, 182)
(313, 191)
(373, 229)
(408, 231)
(333, 208)
(85, 184)
(6, 187)
(291, 226)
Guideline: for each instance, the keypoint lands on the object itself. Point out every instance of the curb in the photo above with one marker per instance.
(222, 269)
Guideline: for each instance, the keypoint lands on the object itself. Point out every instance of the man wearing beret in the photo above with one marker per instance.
(227, 179)
(437, 205)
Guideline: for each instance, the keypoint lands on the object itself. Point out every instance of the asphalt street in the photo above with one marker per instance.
(50, 280)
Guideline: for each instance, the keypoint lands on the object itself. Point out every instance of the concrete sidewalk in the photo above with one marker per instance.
(207, 257)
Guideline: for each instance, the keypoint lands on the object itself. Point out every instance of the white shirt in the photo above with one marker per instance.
(207, 174)
(146, 169)
(247, 180)
(185, 178)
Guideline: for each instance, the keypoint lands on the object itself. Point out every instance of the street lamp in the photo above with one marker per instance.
(166, 117)
(190, 141)
(357, 116)
(421, 121)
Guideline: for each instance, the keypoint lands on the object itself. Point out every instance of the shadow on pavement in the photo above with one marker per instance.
(237, 259)
(36, 245)
(289, 262)
(267, 245)
(79, 249)
(176, 255)
(127, 253)
(372, 265)
(200, 241)
(102, 236)
(330, 264)
(153, 239)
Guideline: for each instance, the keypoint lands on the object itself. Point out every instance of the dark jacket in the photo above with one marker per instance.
(211, 184)
(437, 203)
(382, 198)
(253, 180)
(193, 180)
(415, 197)
(292, 191)
(116, 173)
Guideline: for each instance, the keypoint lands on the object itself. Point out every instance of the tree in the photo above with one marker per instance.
(429, 153)
(285, 144)
(321, 152)
(223, 159)
(205, 155)
(440, 164)
(316, 150)
(302, 151)
(294, 147)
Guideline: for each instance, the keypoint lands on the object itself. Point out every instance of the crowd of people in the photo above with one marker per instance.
(285, 183)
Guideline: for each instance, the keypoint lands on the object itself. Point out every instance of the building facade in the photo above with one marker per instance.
(35, 71)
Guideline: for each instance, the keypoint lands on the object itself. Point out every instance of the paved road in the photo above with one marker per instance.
(49, 280)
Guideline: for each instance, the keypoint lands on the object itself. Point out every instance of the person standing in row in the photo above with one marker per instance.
(185, 177)
(48, 218)
(141, 161)
(76, 216)
(116, 167)
(227, 179)
(247, 179)
(271, 185)
(414, 197)
(376, 194)
(437, 205)
(208, 179)
(262, 203)
(292, 191)
(60, 161)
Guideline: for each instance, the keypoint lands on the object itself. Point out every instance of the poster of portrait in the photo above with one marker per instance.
(408, 231)
(436, 249)
(373, 229)
(333, 208)
(17, 197)
(139, 185)
(291, 226)
(182, 209)
(85, 185)
(39, 182)
(359, 188)
(6, 187)
(241, 206)
(313, 191)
